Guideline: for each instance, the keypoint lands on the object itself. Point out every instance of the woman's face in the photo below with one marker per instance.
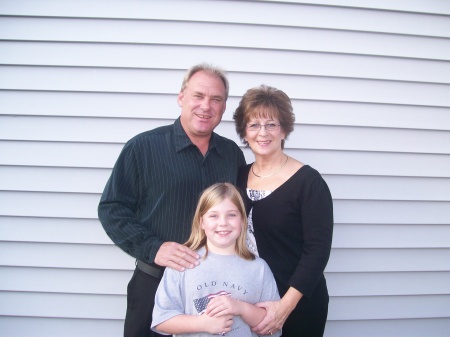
(264, 135)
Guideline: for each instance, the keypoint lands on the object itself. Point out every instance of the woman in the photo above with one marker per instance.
(290, 215)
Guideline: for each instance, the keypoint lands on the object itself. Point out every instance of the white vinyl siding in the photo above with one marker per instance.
(370, 85)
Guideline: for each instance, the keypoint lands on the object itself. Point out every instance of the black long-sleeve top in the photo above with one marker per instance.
(155, 184)
(293, 228)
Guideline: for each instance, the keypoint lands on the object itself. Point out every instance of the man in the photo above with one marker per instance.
(150, 198)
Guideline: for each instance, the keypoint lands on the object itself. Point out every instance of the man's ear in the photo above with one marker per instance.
(180, 98)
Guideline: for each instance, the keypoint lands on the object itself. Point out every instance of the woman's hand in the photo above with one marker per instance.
(277, 312)
(273, 321)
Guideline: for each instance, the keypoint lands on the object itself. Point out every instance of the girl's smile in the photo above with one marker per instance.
(222, 225)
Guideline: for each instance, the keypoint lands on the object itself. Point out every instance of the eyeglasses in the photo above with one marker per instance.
(268, 127)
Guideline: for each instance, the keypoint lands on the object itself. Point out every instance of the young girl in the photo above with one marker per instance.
(218, 296)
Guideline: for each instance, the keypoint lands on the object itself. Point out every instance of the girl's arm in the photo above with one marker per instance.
(183, 324)
(225, 305)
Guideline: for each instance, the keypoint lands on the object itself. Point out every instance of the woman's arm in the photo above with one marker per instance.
(183, 324)
(290, 300)
(277, 312)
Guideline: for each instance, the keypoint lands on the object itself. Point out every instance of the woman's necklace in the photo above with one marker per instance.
(269, 175)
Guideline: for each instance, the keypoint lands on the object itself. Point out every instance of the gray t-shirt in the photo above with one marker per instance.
(189, 292)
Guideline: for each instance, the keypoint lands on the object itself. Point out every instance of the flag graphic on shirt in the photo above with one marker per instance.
(201, 303)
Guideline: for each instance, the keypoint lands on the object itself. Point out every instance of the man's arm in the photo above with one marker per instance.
(117, 210)
(120, 223)
(176, 256)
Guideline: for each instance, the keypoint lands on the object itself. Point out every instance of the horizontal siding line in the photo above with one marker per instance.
(361, 175)
(326, 272)
(101, 244)
(364, 151)
(372, 6)
(292, 98)
(147, 118)
(393, 249)
(51, 218)
(287, 147)
(375, 224)
(49, 313)
(65, 318)
(73, 167)
(91, 92)
(295, 102)
(307, 63)
(333, 249)
(56, 91)
(68, 166)
(242, 147)
(309, 51)
(353, 272)
(409, 8)
(109, 168)
(401, 319)
(228, 71)
(380, 200)
(334, 198)
(63, 292)
(232, 23)
(435, 201)
(331, 296)
(224, 120)
(62, 318)
(81, 168)
(112, 294)
(335, 223)
(68, 268)
(324, 174)
(82, 193)
(237, 47)
(38, 217)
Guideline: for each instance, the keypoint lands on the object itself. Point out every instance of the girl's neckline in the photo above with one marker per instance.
(202, 251)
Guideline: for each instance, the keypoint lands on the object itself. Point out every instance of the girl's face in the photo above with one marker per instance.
(222, 225)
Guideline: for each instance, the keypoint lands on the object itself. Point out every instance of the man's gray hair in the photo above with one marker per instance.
(209, 69)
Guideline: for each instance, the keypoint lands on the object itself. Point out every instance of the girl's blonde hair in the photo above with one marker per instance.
(209, 198)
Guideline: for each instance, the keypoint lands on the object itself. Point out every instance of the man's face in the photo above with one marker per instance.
(202, 104)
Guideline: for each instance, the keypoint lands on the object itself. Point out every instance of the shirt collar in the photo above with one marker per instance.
(182, 140)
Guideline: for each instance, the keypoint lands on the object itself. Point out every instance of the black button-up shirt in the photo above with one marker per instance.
(154, 187)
